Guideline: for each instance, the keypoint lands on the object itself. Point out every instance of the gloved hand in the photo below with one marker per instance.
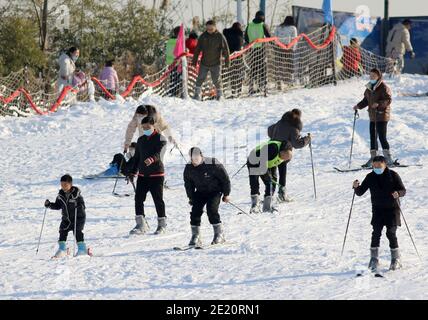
(190, 202)
(129, 178)
(47, 203)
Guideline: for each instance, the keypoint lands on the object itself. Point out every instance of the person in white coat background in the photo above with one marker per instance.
(67, 66)
(398, 42)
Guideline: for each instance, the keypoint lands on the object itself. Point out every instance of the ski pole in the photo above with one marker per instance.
(312, 162)
(236, 207)
(182, 155)
(356, 116)
(408, 230)
(120, 168)
(75, 229)
(133, 185)
(239, 170)
(41, 230)
(347, 225)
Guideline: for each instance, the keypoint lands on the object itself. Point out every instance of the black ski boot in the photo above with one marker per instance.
(218, 234)
(374, 259)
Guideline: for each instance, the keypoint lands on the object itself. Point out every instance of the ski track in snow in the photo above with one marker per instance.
(293, 254)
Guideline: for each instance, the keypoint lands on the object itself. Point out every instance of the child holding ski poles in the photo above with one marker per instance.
(71, 202)
(386, 188)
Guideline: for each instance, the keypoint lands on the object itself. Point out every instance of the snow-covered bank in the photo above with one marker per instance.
(294, 254)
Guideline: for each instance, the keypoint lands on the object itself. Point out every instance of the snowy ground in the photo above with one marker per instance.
(294, 254)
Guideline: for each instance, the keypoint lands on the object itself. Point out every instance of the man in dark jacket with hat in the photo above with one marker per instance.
(378, 98)
(206, 182)
(213, 45)
(386, 188)
(288, 129)
(262, 163)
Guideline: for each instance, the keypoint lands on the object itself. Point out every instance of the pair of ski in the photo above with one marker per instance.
(370, 168)
(201, 247)
(375, 273)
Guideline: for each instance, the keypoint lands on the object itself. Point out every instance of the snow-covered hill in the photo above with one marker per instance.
(294, 254)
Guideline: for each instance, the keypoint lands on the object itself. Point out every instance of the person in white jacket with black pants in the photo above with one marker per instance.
(285, 32)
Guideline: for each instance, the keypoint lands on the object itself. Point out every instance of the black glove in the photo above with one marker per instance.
(190, 202)
(47, 203)
(129, 178)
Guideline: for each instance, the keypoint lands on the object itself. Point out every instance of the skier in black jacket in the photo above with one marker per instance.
(262, 162)
(148, 163)
(288, 129)
(71, 202)
(206, 182)
(386, 188)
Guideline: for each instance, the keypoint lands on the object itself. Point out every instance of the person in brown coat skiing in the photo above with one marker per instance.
(377, 98)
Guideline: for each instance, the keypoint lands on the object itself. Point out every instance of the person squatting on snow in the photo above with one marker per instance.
(386, 188)
(161, 126)
(67, 66)
(122, 163)
(71, 202)
(288, 129)
(213, 45)
(149, 167)
(206, 182)
(378, 98)
(262, 162)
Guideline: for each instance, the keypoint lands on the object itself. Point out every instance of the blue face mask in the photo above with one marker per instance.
(373, 82)
(378, 170)
(148, 132)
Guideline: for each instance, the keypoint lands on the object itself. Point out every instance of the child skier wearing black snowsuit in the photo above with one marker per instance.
(149, 166)
(71, 202)
(386, 188)
(262, 163)
(206, 182)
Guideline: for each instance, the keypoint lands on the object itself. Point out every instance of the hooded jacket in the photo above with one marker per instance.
(381, 94)
(109, 78)
(288, 129)
(70, 204)
(398, 41)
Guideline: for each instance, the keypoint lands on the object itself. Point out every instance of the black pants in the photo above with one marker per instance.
(154, 185)
(282, 169)
(378, 129)
(67, 226)
(267, 180)
(390, 234)
(212, 201)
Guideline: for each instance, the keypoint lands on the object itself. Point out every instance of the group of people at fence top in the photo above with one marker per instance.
(212, 45)
(207, 182)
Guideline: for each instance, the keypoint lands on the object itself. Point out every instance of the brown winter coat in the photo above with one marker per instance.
(380, 94)
(212, 47)
(161, 126)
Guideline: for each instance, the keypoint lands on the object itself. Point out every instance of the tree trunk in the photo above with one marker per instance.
(44, 31)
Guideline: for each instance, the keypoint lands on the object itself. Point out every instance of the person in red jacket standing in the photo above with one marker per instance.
(192, 42)
(351, 60)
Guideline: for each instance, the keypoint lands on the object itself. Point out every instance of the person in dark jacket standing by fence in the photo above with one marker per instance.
(288, 129)
(386, 188)
(377, 98)
(213, 45)
(206, 182)
(235, 40)
(148, 163)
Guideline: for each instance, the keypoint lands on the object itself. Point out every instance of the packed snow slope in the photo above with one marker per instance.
(292, 254)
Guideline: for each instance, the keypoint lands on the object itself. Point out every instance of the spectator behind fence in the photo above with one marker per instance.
(109, 77)
(175, 74)
(286, 31)
(398, 42)
(67, 66)
(192, 42)
(257, 29)
(213, 45)
(235, 40)
(351, 60)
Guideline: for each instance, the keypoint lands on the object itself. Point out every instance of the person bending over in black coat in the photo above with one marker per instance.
(206, 182)
(386, 188)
